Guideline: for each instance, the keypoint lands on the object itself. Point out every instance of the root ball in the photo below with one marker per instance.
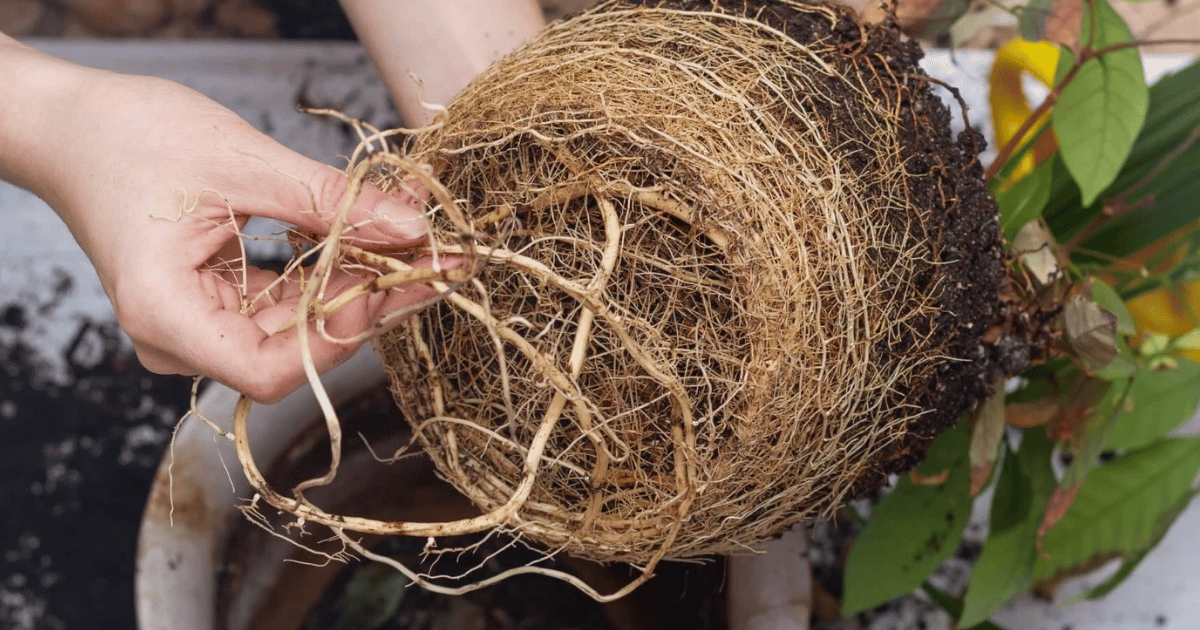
(732, 271)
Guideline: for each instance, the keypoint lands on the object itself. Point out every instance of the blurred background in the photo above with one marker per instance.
(323, 19)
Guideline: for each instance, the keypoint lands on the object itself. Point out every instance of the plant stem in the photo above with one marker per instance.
(1085, 55)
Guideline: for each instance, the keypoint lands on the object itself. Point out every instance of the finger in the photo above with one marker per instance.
(311, 194)
(238, 351)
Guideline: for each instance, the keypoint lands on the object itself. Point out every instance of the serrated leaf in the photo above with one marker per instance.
(1032, 19)
(913, 529)
(1101, 111)
(1091, 331)
(986, 434)
(1108, 300)
(1157, 403)
(1023, 202)
(1005, 566)
(1120, 506)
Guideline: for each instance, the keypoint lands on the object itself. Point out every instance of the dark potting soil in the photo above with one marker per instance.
(687, 596)
(76, 462)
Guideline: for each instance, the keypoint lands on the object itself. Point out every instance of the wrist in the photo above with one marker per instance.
(42, 94)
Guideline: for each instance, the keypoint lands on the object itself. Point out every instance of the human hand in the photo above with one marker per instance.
(155, 180)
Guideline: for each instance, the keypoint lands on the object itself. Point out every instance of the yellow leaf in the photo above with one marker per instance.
(1009, 106)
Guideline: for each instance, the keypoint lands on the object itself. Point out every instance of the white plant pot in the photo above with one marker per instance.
(180, 554)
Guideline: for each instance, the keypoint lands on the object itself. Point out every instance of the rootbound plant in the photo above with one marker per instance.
(717, 269)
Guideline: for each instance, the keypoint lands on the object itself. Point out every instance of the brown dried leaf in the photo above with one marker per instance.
(1036, 248)
(920, 18)
(929, 480)
(1048, 588)
(1091, 331)
(1069, 423)
(985, 438)
(1076, 405)
(1056, 507)
(1065, 22)
(1031, 414)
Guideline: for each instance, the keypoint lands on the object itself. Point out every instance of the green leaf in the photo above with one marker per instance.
(1158, 402)
(371, 599)
(1154, 343)
(1087, 447)
(913, 529)
(1032, 19)
(1005, 566)
(1101, 111)
(1130, 563)
(1108, 300)
(1110, 584)
(1024, 201)
(952, 605)
(1119, 508)
(1169, 196)
(1122, 366)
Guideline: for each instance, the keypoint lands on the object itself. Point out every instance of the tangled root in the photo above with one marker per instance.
(722, 269)
(716, 268)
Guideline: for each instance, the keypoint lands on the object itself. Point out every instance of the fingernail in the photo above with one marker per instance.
(400, 221)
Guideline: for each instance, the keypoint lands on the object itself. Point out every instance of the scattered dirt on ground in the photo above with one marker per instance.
(76, 462)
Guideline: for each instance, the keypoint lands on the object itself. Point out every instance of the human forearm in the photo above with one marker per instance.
(39, 91)
(444, 43)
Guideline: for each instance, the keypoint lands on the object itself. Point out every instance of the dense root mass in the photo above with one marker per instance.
(732, 271)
